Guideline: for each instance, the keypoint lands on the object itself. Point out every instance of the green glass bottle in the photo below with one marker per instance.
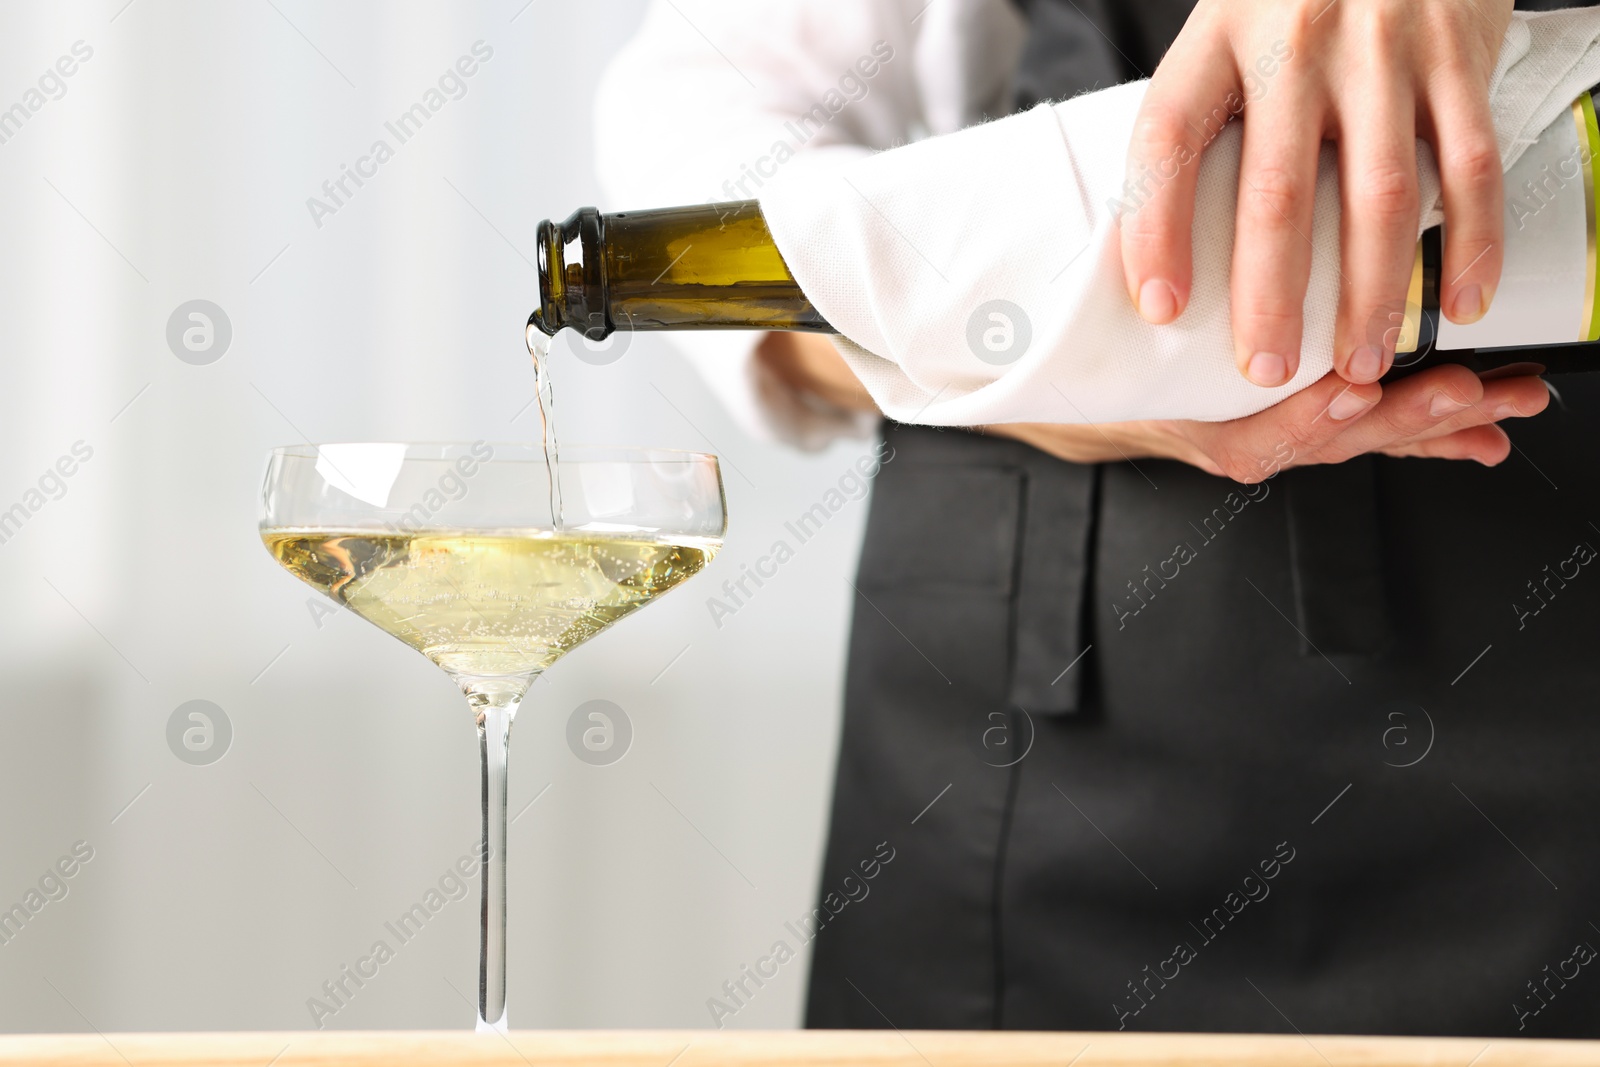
(706, 267)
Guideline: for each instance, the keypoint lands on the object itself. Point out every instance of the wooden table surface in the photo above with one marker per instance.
(691, 1048)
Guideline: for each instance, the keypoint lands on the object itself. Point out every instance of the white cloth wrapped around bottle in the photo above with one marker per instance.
(976, 277)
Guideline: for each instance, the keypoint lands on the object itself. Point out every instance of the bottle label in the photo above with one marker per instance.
(1546, 294)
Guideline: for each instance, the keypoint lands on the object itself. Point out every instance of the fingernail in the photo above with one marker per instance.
(1444, 404)
(1366, 364)
(1157, 302)
(1267, 368)
(1346, 405)
(1505, 411)
(1468, 305)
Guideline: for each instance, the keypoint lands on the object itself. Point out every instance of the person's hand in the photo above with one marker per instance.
(808, 363)
(1372, 75)
(1445, 412)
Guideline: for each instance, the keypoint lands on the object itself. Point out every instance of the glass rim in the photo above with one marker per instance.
(585, 452)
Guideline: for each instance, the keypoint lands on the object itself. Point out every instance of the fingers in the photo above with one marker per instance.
(1488, 445)
(1272, 245)
(1445, 412)
(1411, 407)
(1378, 220)
(1435, 404)
(1287, 434)
(1505, 398)
(1189, 100)
(1470, 176)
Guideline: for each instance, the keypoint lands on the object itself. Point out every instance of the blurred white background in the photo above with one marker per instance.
(175, 165)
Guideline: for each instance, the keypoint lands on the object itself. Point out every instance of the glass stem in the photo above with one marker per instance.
(494, 707)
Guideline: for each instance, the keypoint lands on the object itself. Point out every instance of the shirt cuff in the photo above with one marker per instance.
(765, 406)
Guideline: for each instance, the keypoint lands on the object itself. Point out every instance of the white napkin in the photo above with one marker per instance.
(905, 253)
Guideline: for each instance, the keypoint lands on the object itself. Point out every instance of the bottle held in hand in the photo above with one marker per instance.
(716, 266)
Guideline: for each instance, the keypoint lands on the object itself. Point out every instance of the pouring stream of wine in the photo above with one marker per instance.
(544, 393)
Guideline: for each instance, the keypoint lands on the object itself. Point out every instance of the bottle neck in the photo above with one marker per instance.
(702, 267)
(572, 282)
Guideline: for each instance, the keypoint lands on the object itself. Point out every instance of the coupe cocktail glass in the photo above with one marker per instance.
(453, 549)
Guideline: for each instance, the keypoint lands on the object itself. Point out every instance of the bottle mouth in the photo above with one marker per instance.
(572, 276)
(547, 317)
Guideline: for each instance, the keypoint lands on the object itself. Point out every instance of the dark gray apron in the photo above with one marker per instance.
(1156, 752)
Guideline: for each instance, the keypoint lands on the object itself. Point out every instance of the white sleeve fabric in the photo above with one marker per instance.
(978, 276)
(712, 100)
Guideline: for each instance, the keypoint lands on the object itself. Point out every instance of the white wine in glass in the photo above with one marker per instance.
(454, 549)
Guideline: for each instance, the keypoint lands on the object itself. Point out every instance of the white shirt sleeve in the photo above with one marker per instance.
(712, 99)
